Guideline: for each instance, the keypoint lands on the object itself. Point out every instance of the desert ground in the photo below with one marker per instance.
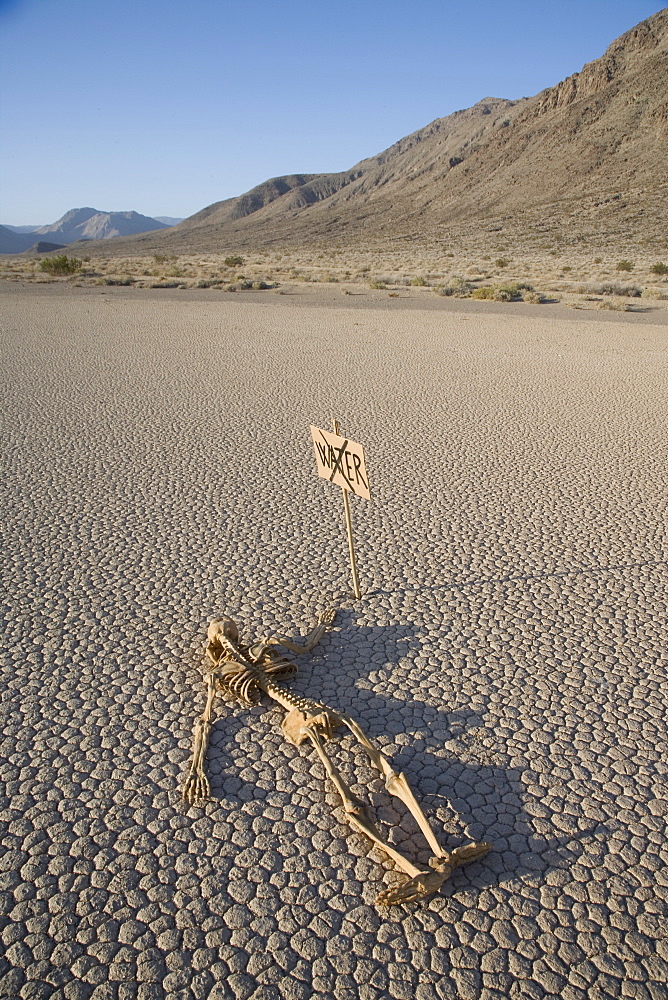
(508, 652)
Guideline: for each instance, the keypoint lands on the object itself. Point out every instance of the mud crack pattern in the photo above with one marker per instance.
(509, 653)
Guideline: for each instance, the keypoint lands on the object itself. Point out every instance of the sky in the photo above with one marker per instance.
(165, 107)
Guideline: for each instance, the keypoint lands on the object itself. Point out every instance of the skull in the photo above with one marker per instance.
(222, 626)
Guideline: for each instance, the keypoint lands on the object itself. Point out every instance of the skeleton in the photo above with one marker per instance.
(244, 671)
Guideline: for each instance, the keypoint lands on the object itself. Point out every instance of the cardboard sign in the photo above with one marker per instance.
(340, 461)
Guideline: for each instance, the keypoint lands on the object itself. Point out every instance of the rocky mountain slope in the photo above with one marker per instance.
(586, 157)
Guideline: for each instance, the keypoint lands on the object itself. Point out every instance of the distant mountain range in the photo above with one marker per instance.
(21, 229)
(79, 224)
(13, 242)
(583, 160)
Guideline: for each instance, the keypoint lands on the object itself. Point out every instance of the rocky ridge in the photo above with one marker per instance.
(586, 156)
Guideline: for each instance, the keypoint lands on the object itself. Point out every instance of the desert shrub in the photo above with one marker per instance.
(535, 298)
(233, 261)
(502, 262)
(377, 284)
(419, 282)
(612, 288)
(457, 287)
(598, 260)
(175, 272)
(513, 291)
(60, 265)
(614, 303)
(625, 265)
(165, 284)
(659, 268)
(566, 269)
(245, 284)
(119, 281)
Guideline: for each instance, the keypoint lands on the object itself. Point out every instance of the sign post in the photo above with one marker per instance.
(342, 462)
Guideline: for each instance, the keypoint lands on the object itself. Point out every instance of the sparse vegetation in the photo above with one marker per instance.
(233, 261)
(515, 291)
(245, 284)
(612, 288)
(615, 303)
(416, 266)
(625, 265)
(457, 287)
(62, 264)
(502, 262)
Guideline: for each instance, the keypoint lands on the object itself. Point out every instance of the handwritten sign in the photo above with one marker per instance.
(340, 461)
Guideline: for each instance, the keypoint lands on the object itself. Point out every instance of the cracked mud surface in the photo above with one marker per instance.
(509, 652)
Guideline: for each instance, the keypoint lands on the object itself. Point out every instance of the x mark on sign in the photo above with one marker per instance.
(337, 463)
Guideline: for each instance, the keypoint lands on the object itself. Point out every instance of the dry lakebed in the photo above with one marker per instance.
(508, 653)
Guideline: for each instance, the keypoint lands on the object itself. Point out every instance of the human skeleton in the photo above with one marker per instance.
(242, 672)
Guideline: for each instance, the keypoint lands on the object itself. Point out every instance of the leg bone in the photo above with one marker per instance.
(396, 784)
(356, 811)
(196, 786)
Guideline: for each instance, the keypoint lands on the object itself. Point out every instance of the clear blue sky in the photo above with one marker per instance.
(165, 107)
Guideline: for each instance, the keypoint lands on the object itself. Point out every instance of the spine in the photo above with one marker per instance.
(286, 699)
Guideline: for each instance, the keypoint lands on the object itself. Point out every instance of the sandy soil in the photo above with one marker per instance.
(509, 651)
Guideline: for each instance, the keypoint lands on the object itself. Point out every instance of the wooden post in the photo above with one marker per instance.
(349, 527)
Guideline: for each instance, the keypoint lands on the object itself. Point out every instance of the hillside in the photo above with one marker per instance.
(585, 158)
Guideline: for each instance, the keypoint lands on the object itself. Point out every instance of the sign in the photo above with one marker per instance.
(340, 461)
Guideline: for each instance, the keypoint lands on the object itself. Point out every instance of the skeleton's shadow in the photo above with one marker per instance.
(464, 800)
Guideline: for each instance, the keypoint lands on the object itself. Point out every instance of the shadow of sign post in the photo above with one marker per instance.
(341, 462)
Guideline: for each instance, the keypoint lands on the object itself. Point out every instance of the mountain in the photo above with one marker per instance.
(167, 219)
(21, 229)
(12, 242)
(583, 160)
(91, 224)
